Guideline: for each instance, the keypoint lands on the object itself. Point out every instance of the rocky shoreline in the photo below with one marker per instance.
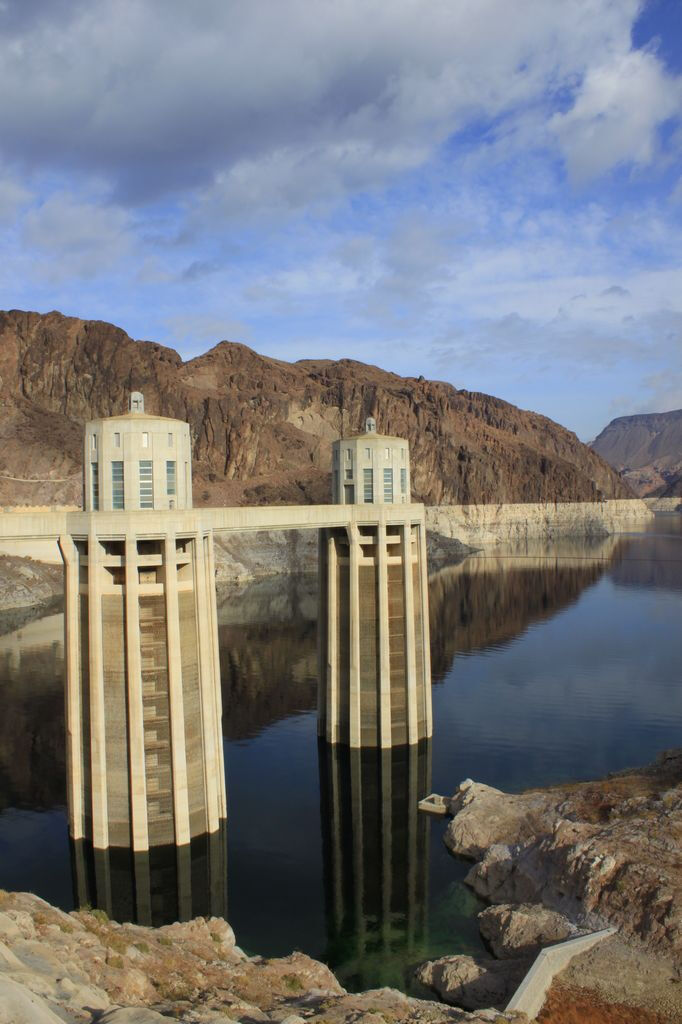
(550, 862)
(571, 859)
(58, 968)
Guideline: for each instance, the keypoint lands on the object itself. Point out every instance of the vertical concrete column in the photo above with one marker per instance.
(175, 698)
(183, 869)
(354, 617)
(386, 844)
(426, 629)
(98, 758)
(384, 641)
(73, 704)
(332, 666)
(143, 887)
(81, 880)
(410, 656)
(337, 857)
(322, 628)
(217, 689)
(355, 762)
(103, 880)
(139, 826)
(413, 823)
(213, 761)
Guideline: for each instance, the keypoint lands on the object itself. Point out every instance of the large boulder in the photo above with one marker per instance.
(513, 931)
(474, 982)
(484, 816)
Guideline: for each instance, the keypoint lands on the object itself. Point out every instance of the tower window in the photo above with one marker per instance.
(93, 442)
(117, 440)
(117, 486)
(349, 455)
(94, 485)
(145, 439)
(349, 474)
(368, 485)
(403, 481)
(388, 453)
(368, 454)
(170, 478)
(388, 486)
(170, 440)
(146, 484)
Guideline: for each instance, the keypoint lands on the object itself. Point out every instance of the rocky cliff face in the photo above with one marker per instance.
(646, 450)
(262, 428)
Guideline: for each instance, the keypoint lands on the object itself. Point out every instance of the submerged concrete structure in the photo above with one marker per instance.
(143, 709)
(376, 856)
(162, 885)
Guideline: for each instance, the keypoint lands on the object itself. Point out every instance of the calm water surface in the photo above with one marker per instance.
(550, 663)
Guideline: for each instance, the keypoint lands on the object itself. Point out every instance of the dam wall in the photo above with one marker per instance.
(244, 556)
(489, 525)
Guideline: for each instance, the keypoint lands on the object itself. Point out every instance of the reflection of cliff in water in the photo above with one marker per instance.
(375, 845)
(268, 652)
(490, 599)
(32, 757)
(165, 884)
(652, 560)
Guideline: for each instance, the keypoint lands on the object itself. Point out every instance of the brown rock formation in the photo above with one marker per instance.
(262, 427)
(646, 450)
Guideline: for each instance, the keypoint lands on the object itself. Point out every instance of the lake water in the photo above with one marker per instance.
(550, 663)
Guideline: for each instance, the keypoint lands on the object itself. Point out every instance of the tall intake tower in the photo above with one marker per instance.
(374, 659)
(143, 705)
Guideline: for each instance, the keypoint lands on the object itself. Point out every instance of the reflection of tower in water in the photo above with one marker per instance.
(375, 859)
(162, 885)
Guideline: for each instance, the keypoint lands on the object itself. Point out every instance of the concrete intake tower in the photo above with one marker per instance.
(143, 704)
(375, 667)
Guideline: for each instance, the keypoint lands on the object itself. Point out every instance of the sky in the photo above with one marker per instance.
(479, 191)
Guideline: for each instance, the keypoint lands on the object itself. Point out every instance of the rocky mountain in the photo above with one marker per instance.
(646, 450)
(261, 427)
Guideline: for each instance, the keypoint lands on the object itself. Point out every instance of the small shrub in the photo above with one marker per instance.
(66, 928)
(292, 982)
(142, 946)
(100, 915)
(116, 962)
(216, 937)
(165, 941)
(116, 943)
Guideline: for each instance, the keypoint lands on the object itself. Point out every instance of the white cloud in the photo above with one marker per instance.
(273, 102)
(616, 115)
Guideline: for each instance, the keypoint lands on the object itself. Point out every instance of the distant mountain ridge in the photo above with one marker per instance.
(646, 450)
(262, 428)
